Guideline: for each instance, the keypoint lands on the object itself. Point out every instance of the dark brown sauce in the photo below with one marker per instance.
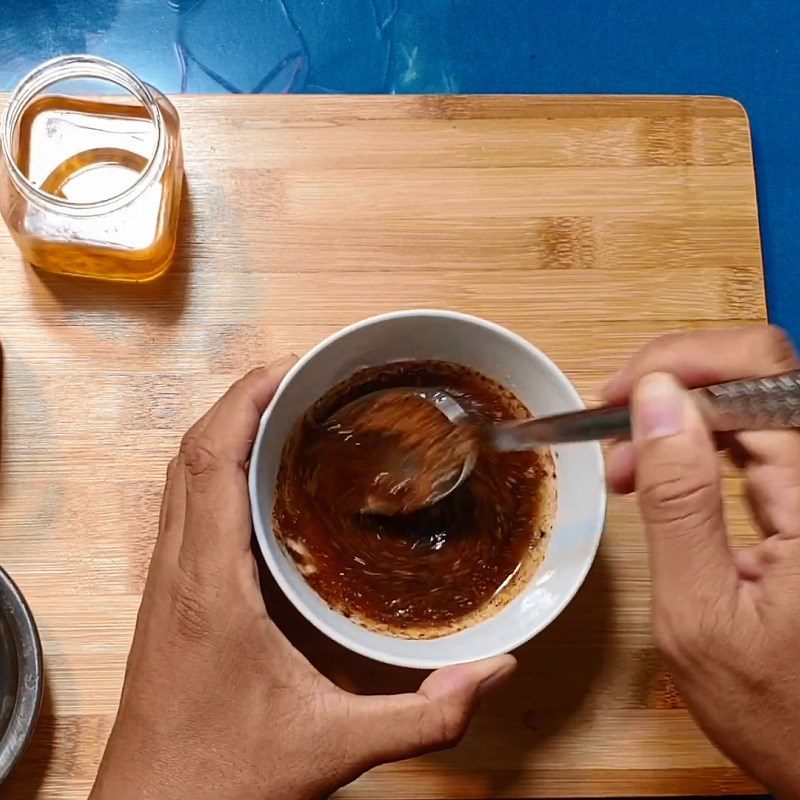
(425, 573)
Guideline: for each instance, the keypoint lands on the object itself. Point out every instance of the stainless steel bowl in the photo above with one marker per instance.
(21, 675)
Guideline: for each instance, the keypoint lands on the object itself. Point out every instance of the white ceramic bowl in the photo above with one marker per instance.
(508, 359)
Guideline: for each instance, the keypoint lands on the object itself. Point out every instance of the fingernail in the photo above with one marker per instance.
(658, 407)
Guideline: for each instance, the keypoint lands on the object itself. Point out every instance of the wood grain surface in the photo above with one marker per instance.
(588, 225)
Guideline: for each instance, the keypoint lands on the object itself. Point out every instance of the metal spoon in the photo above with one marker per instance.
(752, 404)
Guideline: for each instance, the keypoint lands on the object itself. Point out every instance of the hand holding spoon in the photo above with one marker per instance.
(444, 449)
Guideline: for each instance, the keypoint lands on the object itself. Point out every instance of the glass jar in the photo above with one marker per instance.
(90, 184)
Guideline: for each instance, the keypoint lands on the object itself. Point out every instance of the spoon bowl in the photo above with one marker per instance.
(406, 477)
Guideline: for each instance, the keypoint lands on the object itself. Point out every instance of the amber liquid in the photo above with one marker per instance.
(85, 151)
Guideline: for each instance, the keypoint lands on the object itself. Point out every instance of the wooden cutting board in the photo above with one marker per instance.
(586, 224)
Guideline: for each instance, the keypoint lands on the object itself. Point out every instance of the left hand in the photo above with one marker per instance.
(216, 702)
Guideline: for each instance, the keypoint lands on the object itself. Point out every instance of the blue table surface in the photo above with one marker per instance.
(739, 48)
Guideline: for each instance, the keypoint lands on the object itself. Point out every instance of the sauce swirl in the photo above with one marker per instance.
(420, 574)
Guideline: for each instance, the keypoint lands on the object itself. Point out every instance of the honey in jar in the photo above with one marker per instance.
(92, 185)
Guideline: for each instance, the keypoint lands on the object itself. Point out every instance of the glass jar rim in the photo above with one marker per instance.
(70, 67)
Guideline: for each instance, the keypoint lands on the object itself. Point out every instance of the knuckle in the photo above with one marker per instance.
(775, 348)
(198, 455)
(769, 552)
(251, 374)
(779, 556)
(192, 618)
(172, 466)
(660, 354)
(674, 500)
(240, 388)
(661, 344)
(450, 725)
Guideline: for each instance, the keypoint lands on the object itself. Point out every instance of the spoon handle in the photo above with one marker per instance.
(751, 404)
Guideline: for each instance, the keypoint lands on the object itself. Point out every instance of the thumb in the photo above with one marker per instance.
(678, 485)
(394, 727)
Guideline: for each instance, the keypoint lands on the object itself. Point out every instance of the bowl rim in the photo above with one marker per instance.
(262, 534)
(28, 646)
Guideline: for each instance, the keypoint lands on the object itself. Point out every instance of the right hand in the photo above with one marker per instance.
(727, 621)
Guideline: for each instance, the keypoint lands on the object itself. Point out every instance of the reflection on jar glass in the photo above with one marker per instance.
(90, 184)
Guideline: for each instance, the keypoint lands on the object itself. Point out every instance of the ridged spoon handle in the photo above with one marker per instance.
(751, 404)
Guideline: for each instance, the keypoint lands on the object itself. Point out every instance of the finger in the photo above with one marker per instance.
(218, 525)
(771, 464)
(678, 485)
(276, 368)
(748, 564)
(770, 459)
(227, 430)
(700, 358)
(214, 454)
(772, 488)
(621, 463)
(173, 509)
(433, 718)
(621, 468)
